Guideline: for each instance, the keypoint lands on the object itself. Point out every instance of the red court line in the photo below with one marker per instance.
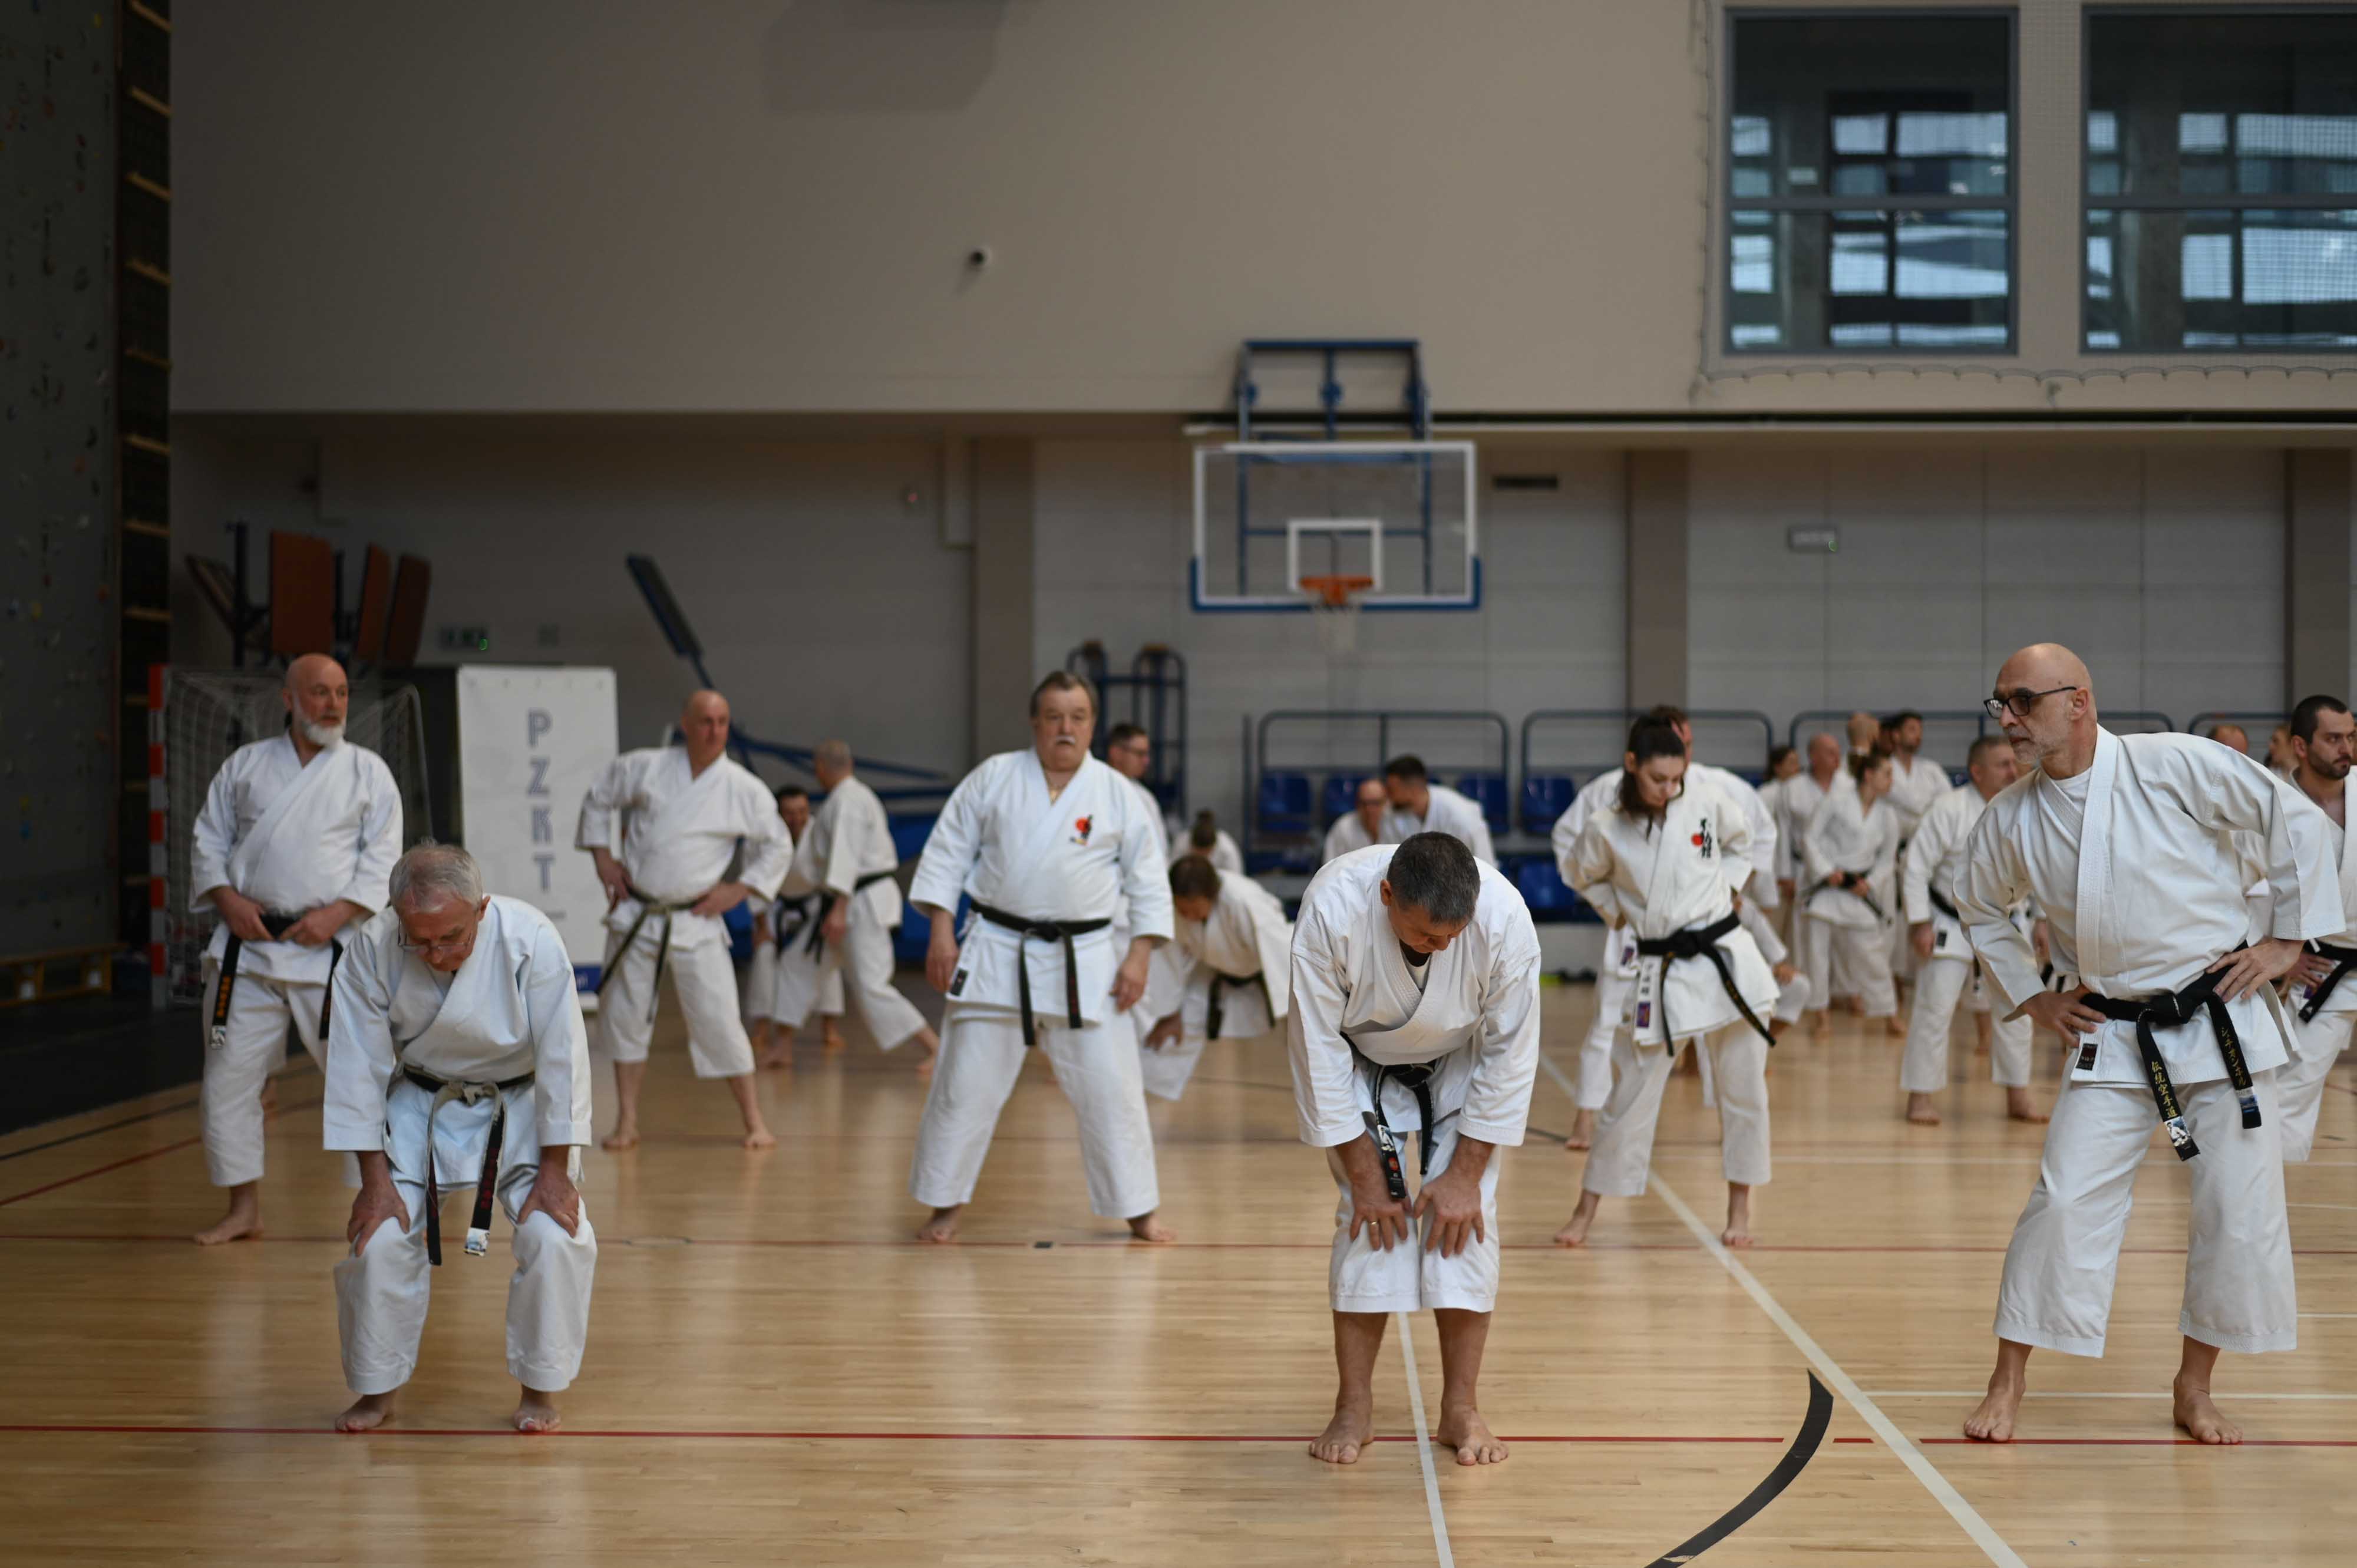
(135, 1159)
(2147, 1443)
(815, 1437)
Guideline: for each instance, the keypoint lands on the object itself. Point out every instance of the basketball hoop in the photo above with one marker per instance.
(1334, 606)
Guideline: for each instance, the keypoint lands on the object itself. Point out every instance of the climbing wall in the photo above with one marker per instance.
(56, 506)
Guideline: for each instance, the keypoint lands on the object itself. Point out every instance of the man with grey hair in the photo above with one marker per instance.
(460, 1061)
(1414, 1005)
(297, 834)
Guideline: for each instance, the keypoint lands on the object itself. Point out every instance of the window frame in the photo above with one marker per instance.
(2221, 201)
(1725, 346)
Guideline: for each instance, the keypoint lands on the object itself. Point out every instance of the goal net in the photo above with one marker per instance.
(204, 716)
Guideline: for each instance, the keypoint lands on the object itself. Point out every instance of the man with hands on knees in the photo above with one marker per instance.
(460, 1062)
(1414, 1008)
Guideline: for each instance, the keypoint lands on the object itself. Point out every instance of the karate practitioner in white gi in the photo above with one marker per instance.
(1849, 854)
(1209, 840)
(1129, 751)
(784, 972)
(297, 835)
(1362, 825)
(1664, 857)
(690, 813)
(1946, 961)
(1797, 806)
(1917, 784)
(851, 861)
(2127, 843)
(1048, 841)
(456, 1023)
(1232, 938)
(1415, 1008)
(1420, 806)
(2323, 996)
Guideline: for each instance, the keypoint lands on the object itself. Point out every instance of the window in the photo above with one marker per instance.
(2221, 179)
(1870, 194)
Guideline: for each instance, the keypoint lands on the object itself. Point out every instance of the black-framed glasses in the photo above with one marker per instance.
(2020, 701)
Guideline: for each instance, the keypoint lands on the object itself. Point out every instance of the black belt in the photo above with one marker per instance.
(1417, 1078)
(275, 921)
(1698, 941)
(2343, 960)
(2171, 1010)
(1941, 905)
(647, 906)
(1850, 888)
(785, 935)
(1221, 981)
(1044, 931)
(478, 1232)
(827, 902)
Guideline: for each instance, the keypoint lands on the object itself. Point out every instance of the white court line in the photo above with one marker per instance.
(1991, 1543)
(2068, 1395)
(1424, 1444)
(2328, 1315)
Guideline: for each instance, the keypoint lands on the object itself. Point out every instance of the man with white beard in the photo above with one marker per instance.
(2324, 993)
(1362, 825)
(460, 1061)
(2126, 844)
(1415, 1005)
(296, 838)
(1048, 841)
(685, 811)
(1944, 958)
(1420, 806)
(1230, 936)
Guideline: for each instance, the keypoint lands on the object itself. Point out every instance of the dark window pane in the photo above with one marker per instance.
(1866, 105)
(2251, 104)
(1870, 278)
(2173, 280)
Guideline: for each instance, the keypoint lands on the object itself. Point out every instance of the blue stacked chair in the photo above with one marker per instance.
(1543, 889)
(1489, 791)
(1341, 796)
(1284, 803)
(1545, 797)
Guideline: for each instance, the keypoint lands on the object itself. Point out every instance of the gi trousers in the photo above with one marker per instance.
(1939, 984)
(1405, 1277)
(1622, 1157)
(705, 978)
(230, 1101)
(2299, 1082)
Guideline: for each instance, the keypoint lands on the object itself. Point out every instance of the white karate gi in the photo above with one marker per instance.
(1916, 786)
(2133, 864)
(1843, 927)
(682, 833)
(291, 837)
(1347, 834)
(1796, 805)
(786, 981)
(2317, 1043)
(1471, 1010)
(1458, 815)
(1224, 855)
(1073, 858)
(851, 842)
(1658, 878)
(1935, 860)
(1163, 974)
(1242, 946)
(509, 1010)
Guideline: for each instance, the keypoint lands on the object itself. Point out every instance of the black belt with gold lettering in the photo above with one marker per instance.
(1699, 941)
(2173, 1010)
(276, 922)
(827, 902)
(1044, 931)
(1221, 980)
(443, 1090)
(2343, 960)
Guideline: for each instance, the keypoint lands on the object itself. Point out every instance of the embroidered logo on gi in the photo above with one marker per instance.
(1081, 830)
(1644, 1013)
(957, 983)
(1702, 840)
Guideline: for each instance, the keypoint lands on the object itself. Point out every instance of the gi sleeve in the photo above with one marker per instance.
(1764, 844)
(1324, 1075)
(1565, 841)
(1739, 841)
(212, 839)
(560, 1043)
(360, 1069)
(954, 847)
(1144, 875)
(1763, 935)
(1590, 872)
(608, 795)
(768, 848)
(1498, 1100)
(1925, 852)
(1883, 874)
(371, 881)
(1484, 850)
(2228, 792)
(1995, 880)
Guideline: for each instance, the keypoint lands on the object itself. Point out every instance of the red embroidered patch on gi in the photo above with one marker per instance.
(1702, 841)
(1081, 830)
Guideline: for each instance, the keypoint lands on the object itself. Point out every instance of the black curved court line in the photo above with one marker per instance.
(1796, 1459)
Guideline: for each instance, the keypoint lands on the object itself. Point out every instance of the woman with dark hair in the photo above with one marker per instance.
(1207, 839)
(1664, 859)
(1849, 854)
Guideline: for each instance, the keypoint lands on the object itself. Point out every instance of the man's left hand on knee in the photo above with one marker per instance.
(552, 1192)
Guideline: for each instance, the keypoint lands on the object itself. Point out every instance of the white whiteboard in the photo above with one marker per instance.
(531, 741)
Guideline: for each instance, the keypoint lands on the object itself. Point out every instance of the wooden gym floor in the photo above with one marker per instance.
(776, 1374)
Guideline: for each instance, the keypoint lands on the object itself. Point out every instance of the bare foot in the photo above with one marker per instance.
(1857, 1006)
(1147, 1227)
(758, 1136)
(625, 1136)
(830, 1039)
(269, 1094)
(244, 1218)
(1344, 1436)
(1465, 1432)
(1776, 1027)
(1739, 1217)
(941, 1227)
(2018, 1108)
(1818, 1022)
(366, 1414)
(1920, 1110)
(2190, 1404)
(1583, 1131)
(777, 1056)
(1992, 1421)
(1574, 1229)
(536, 1412)
(1895, 1026)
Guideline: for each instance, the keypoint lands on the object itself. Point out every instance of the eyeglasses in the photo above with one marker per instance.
(2020, 701)
(440, 944)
